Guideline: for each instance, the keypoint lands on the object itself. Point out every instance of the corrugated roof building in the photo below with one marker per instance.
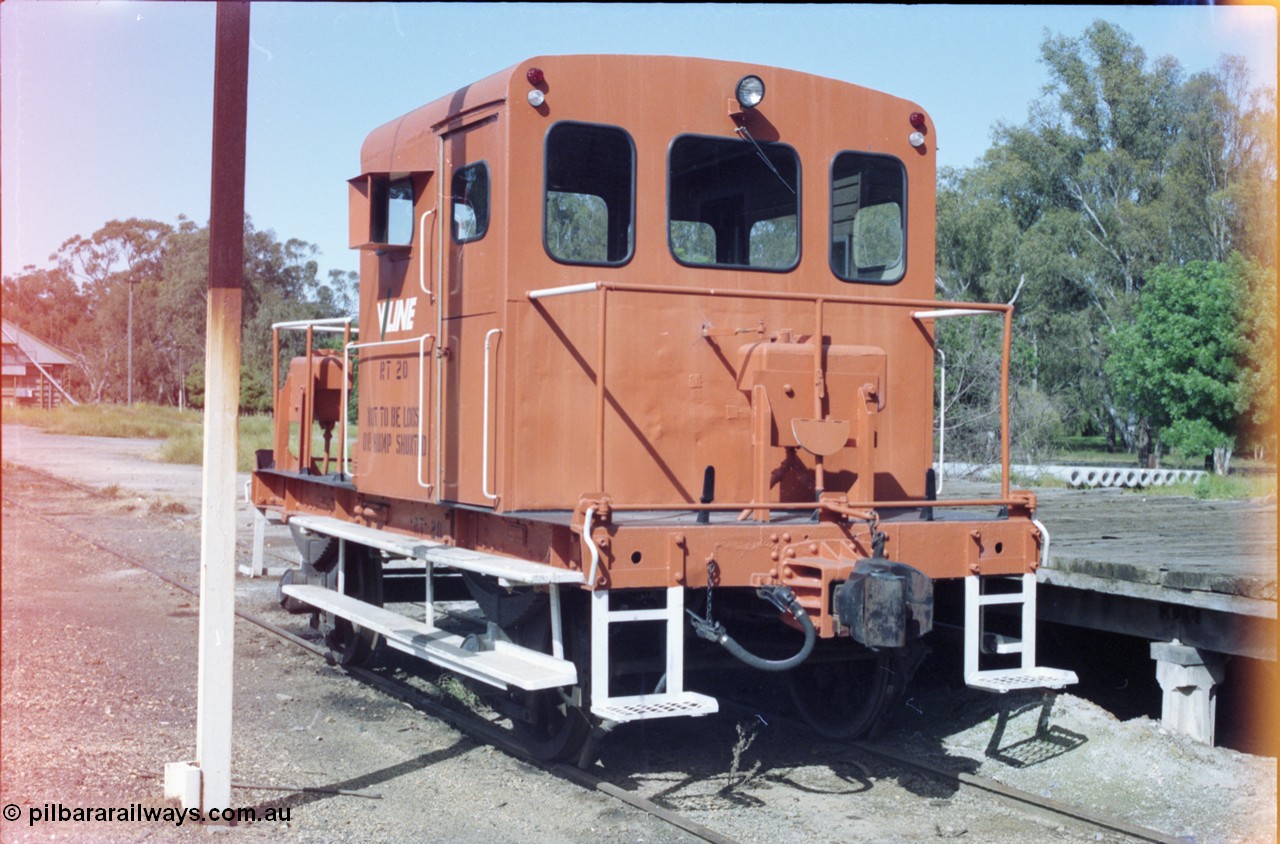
(32, 369)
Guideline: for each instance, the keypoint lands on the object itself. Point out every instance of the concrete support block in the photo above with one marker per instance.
(1188, 677)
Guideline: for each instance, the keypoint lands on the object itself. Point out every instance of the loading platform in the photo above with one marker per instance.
(1195, 578)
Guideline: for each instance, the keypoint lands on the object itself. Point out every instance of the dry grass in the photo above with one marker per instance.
(181, 430)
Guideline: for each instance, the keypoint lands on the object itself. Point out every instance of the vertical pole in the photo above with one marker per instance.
(602, 323)
(129, 387)
(1006, 356)
(222, 400)
(342, 466)
(819, 393)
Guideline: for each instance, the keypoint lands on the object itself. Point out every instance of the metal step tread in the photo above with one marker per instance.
(510, 569)
(383, 540)
(507, 665)
(665, 705)
(1013, 679)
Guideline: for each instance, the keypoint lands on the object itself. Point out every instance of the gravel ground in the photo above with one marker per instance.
(98, 693)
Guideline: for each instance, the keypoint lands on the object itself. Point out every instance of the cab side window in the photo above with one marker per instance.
(469, 194)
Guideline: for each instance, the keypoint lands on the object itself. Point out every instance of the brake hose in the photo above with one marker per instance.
(785, 600)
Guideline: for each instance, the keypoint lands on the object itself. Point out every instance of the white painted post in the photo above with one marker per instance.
(258, 564)
(210, 773)
(217, 553)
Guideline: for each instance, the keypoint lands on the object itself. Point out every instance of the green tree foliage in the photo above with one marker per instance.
(1124, 165)
(577, 227)
(1178, 363)
(1258, 422)
(81, 305)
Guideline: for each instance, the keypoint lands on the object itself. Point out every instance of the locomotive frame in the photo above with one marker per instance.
(632, 334)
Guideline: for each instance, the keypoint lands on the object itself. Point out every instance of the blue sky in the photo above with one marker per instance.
(107, 106)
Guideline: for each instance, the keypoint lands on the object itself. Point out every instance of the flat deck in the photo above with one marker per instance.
(1221, 547)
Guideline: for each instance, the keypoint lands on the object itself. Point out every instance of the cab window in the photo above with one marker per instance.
(589, 206)
(733, 203)
(391, 207)
(868, 217)
(470, 201)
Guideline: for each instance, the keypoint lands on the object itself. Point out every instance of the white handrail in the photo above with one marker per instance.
(484, 452)
(422, 367)
(422, 255)
(942, 400)
(949, 312)
(548, 292)
(591, 546)
(330, 324)
(1044, 543)
(942, 424)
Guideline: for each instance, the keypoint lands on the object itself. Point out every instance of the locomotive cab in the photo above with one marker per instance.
(619, 352)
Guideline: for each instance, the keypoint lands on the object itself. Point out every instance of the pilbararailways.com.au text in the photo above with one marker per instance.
(138, 813)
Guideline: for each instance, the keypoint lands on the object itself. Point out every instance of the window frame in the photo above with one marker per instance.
(482, 164)
(389, 219)
(799, 194)
(831, 205)
(631, 249)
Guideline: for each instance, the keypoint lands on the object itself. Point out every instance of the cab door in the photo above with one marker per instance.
(473, 283)
(395, 227)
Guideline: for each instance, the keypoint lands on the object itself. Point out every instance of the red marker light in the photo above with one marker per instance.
(917, 120)
(535, 76)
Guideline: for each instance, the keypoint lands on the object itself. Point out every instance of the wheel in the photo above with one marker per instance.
(555, 729)
(351, 644)
(843, 699)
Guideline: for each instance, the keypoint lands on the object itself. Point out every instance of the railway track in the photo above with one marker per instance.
(488, 733)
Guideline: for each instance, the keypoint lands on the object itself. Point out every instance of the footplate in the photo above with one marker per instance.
(642, 707)
(505, 666)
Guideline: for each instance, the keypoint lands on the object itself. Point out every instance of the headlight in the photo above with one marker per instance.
(750, 91)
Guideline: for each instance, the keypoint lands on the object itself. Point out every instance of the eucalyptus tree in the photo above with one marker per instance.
(1124, 165)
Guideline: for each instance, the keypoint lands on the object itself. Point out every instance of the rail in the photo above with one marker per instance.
(921, 310)
(332, 325)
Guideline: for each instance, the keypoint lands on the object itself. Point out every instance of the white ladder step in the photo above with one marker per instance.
(505, 666)
(663, 705)
(1012, 679)
(510, 569)
(671, 702)
(1027, 675)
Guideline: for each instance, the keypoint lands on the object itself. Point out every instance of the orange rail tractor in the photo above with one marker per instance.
(645, 349)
